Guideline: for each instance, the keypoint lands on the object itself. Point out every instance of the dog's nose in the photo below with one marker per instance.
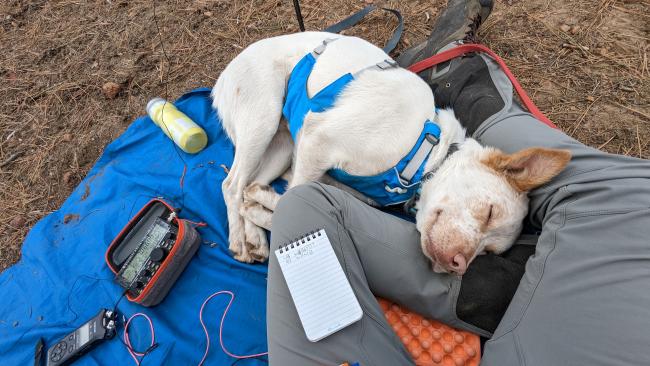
(458, 264)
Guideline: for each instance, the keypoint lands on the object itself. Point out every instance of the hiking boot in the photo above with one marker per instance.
(459, 22)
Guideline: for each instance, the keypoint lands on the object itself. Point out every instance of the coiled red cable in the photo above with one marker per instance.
(134, 354)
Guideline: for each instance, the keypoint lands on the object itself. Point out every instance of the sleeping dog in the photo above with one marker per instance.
(332, 108)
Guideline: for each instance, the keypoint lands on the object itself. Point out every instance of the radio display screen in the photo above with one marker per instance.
(149, 243)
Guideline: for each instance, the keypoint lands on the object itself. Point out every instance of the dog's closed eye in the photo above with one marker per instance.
(435, 216)
(489, 216)
(485, 216)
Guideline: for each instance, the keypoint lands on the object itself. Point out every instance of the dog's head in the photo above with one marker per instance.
(477, 200)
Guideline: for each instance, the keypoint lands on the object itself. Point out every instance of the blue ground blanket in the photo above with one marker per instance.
(62, 280)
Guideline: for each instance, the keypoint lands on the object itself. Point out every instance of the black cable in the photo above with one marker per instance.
(74, 284)
(296, 6)
(162, 46)
(119, 299)
(146, 352)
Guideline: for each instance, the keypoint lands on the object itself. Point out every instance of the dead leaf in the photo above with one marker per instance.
(18, 222)
(111, 89)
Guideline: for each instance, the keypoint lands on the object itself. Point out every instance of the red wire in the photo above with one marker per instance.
(467, 48)
(223, 317)
(183, 175)
(129, 348)
(197, 224)
(134, 354)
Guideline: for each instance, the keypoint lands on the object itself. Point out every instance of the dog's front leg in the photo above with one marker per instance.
(236, 233)
(259, 198)
(310, 164)
(247, 241)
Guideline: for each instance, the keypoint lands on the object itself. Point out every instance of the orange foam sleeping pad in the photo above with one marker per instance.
(430, 342)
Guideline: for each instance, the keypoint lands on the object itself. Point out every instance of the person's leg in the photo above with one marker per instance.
(381, 256)
(585, 294)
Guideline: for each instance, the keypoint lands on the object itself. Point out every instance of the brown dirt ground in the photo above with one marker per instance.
(584, 62)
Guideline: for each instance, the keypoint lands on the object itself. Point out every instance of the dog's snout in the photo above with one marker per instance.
(446, 244)
(458, 264)
(454, 261)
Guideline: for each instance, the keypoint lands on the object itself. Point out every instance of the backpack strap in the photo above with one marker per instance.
(527, 239)
(355, 18)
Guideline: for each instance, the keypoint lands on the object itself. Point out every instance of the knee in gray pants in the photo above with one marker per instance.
(369, 341)
(308, 196)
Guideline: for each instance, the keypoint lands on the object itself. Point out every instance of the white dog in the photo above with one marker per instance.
(471, 201)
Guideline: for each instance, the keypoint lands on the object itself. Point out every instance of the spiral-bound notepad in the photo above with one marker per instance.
(321, 292)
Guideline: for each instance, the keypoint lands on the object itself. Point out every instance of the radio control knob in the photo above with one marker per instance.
(157, 255)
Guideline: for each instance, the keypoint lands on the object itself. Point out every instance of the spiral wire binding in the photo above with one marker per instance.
(303, 239)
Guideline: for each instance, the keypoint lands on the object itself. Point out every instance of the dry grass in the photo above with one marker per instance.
(592, 79)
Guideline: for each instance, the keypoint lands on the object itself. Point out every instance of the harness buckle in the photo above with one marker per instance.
(321, 48)
(387, 64)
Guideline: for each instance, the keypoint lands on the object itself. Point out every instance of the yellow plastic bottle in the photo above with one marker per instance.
(177, 126)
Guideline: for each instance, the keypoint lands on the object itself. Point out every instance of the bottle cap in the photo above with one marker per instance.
(153, 103)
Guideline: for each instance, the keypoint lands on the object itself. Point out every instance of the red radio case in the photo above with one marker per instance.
(183, 249)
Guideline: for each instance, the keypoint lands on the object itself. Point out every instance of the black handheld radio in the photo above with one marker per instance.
(83, 339)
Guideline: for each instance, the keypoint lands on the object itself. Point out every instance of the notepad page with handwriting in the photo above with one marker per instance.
(319, 288)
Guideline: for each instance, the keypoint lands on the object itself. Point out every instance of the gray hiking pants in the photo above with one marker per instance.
(584, 298)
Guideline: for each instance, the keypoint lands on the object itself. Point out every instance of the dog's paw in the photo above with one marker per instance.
(263, 194)
(240, 252)
(237, 245)
(256, 244)
(256, 213)
(244, 257)
(258, 254)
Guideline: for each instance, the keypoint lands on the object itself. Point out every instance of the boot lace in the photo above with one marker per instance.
(471, 34)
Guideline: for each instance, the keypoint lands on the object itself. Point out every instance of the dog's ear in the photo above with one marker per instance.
(529, 168)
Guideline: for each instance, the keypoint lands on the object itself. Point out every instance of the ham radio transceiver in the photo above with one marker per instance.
(151, 251)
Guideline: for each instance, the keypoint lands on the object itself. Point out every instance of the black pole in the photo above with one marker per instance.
(296, 6)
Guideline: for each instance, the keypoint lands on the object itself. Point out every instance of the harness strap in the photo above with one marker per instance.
(429, 142)
(358, 16)
(384, 65)
(409, 206)
(321, 48)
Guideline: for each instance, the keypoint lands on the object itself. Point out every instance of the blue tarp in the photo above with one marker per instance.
(62, 280)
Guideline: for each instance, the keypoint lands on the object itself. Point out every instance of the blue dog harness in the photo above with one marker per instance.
(396, 185)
